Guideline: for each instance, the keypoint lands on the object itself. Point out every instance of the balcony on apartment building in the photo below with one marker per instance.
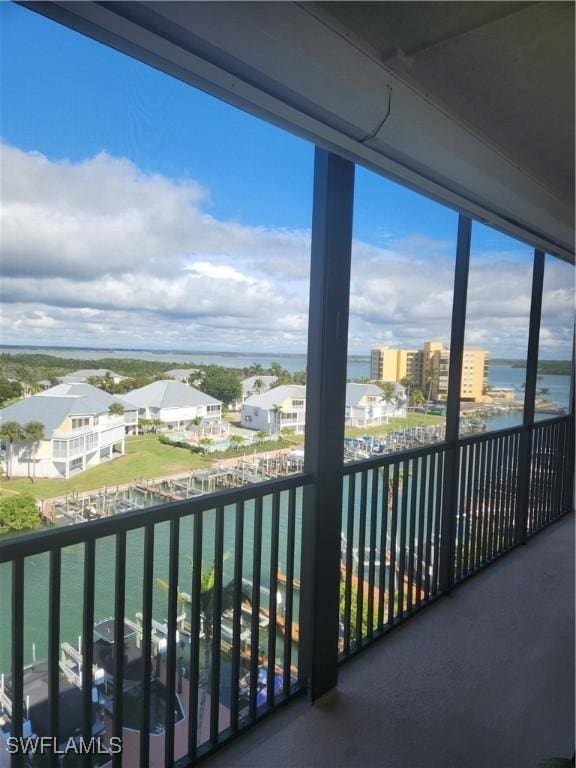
(312, 587)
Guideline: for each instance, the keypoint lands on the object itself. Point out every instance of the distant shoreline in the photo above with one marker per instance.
(213, 353)
(553, 367)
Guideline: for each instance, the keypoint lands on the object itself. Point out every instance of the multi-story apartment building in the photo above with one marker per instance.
(428, 368)
(388, 364)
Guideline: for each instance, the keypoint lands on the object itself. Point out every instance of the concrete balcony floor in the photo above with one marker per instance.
(483, 678)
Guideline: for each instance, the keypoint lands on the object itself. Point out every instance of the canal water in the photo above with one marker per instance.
(36, 596)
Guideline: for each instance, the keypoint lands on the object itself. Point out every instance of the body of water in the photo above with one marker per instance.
(558, 386)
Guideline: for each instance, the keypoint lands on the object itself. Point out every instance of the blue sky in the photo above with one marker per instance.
(164, 126)
(144, 212)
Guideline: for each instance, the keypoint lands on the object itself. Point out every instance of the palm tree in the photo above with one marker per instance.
(108, 382)
(277, 370)
(258, 386)
(34, 432)
(277, 411)
(408, 383)
(11, 431)
(261, 436)
(205, 442)
(431, 376)
(236, 441)
(116, 409)
(208, 619)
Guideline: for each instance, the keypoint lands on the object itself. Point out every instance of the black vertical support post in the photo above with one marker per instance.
(451, 465)
(54, 647)
(569, 463)
(17, 728)
(525, 457)
(326, 399)
(572, 377)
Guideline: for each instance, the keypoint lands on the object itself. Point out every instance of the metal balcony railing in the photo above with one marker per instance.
(394, 511)
(225, 644)
(233, 614)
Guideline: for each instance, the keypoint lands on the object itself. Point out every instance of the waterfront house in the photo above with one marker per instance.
(79, 433)
(82, 376)
(367, 404)
(278, 408)
(175, 404)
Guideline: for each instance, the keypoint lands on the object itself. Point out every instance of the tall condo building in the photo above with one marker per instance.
(428, 369)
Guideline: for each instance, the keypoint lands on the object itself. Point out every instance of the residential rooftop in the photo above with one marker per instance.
(88, 373)
(52, 411)
(169, 394)
(355, 392)
(277, 395)
(80, 389)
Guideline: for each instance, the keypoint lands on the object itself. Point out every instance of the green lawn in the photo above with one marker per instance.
(145, 458)
(412, 420)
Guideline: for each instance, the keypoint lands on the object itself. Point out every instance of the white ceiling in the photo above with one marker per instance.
(506, 69)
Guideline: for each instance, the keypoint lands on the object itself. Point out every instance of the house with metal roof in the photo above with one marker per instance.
(277, 408)
(369, 405)
(81, 376)
(99, 395)
(181, 374)
(253, 385)
(175, 404)
(79, 432)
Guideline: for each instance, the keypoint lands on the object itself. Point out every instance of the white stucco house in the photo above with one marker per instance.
(367, 406)
(79, 432)
(276, 409)
(175, 404)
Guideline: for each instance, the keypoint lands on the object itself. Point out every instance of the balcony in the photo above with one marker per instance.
(402, 548)
(195, 620)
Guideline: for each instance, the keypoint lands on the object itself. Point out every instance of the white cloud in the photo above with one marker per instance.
(99, 253)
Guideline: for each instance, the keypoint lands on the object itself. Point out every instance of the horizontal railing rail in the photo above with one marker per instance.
(55, 538)
(391, 458)
(481, 437)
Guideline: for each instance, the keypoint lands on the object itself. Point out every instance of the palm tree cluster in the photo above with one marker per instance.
(14, 432)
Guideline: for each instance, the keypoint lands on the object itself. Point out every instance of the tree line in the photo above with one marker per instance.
(220, 382)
